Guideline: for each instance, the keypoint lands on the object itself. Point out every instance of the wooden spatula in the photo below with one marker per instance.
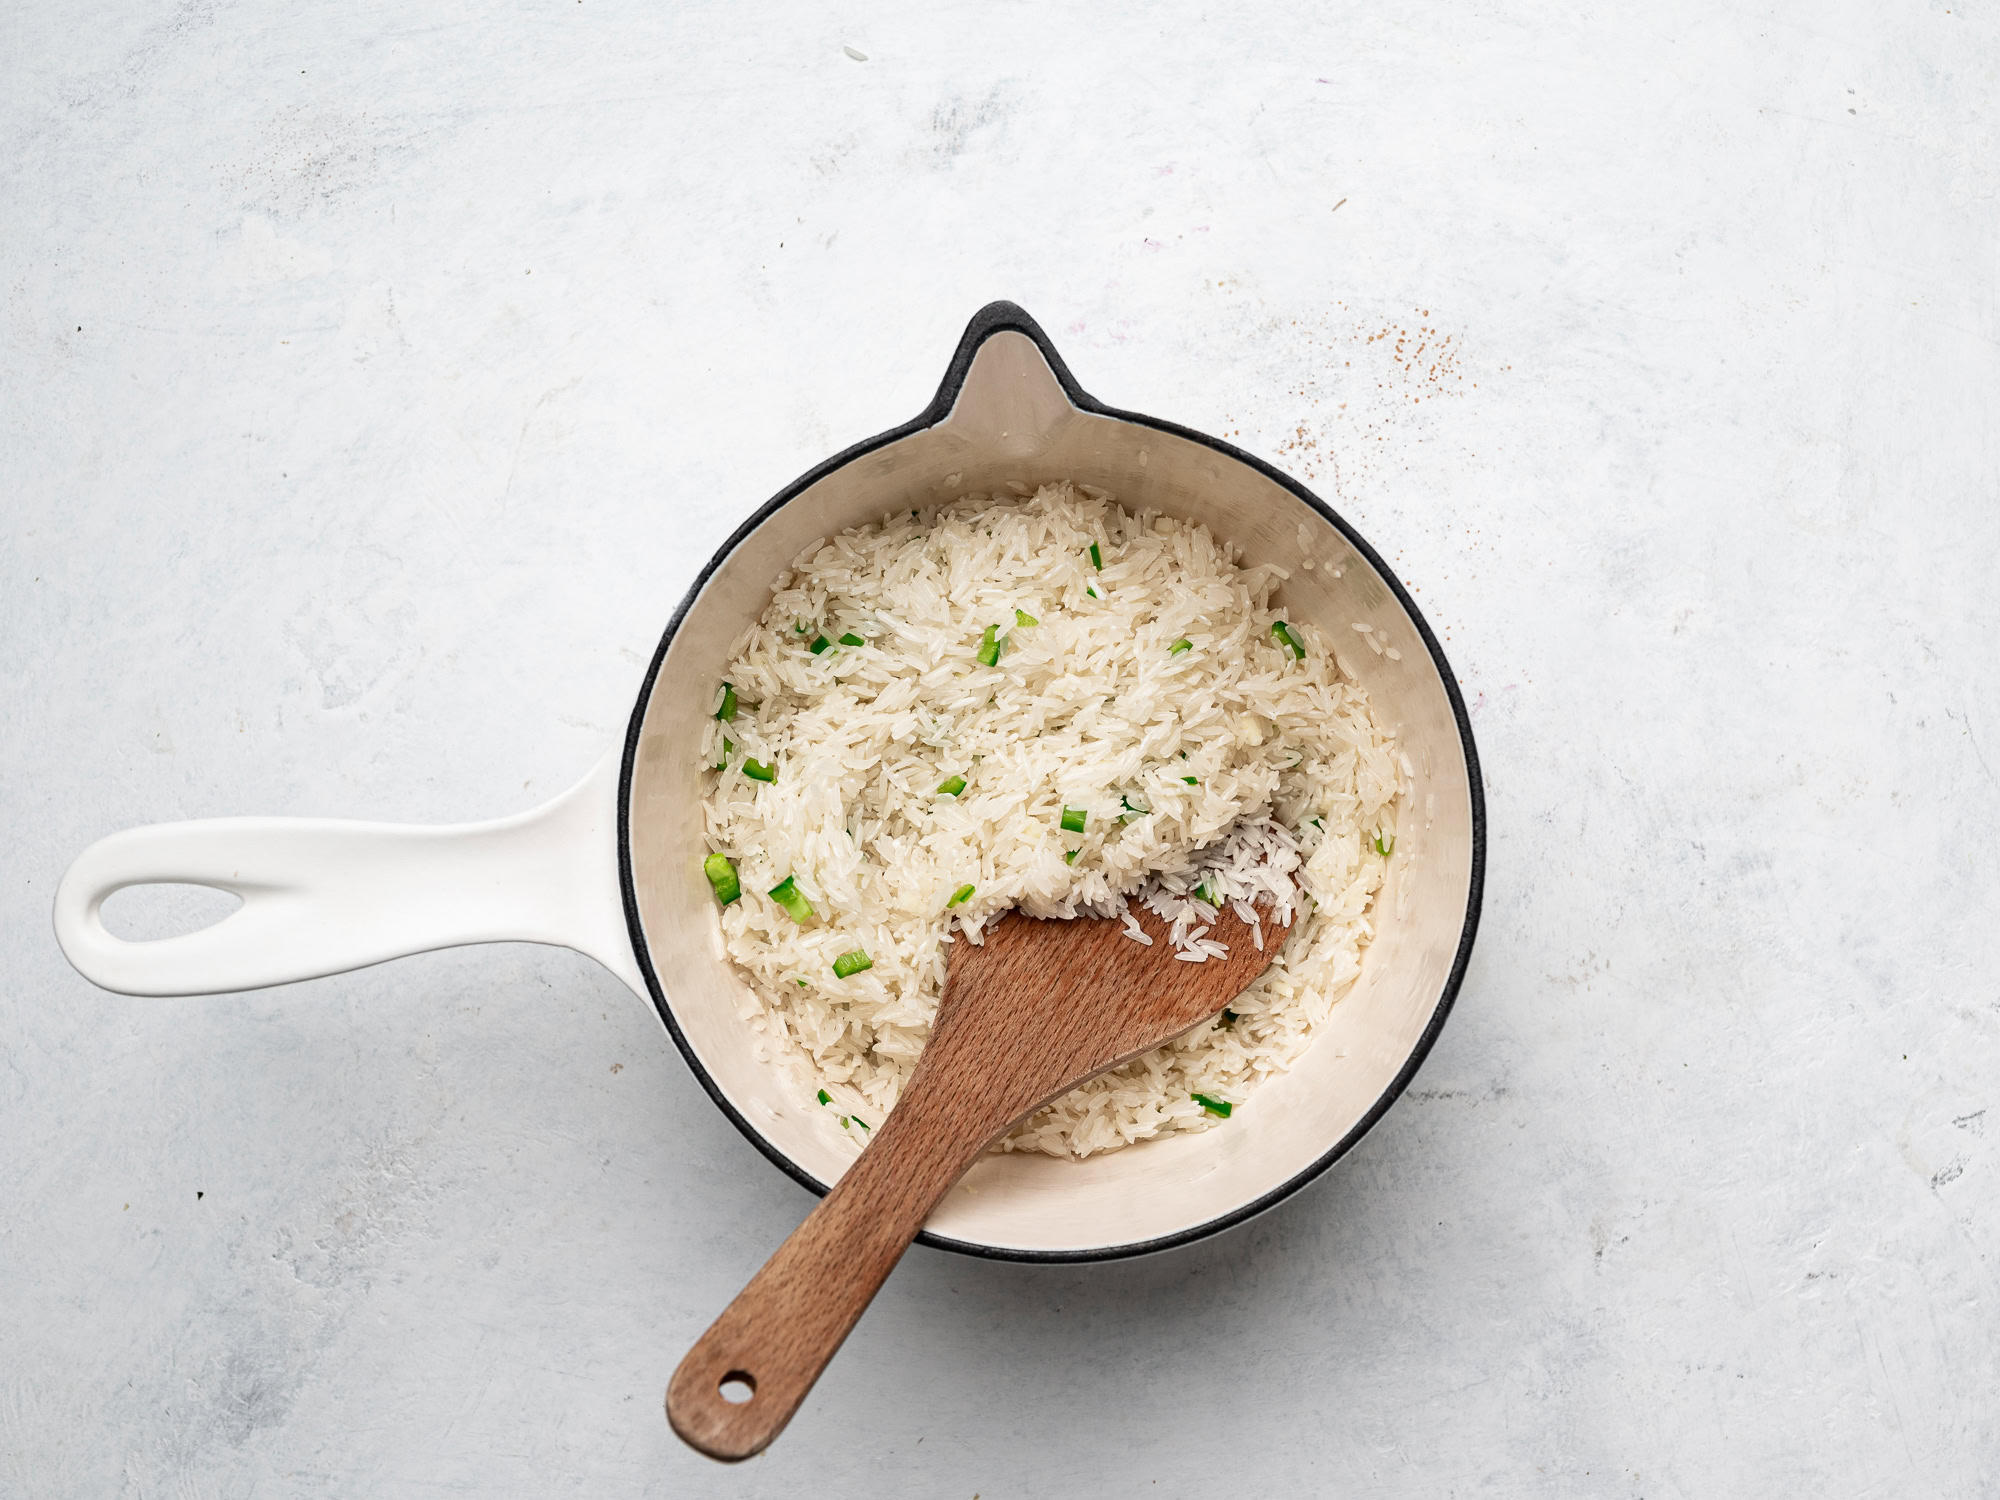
(1028, 1015)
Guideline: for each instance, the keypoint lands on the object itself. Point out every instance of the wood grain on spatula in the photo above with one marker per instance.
(1028, 1015)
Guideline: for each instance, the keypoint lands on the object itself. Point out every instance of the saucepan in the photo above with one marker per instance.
(605, 868)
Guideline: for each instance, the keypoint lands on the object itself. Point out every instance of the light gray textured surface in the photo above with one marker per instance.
(374, 382)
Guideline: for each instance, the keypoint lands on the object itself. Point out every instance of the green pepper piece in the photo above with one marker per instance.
(722, 878)
(787, 894)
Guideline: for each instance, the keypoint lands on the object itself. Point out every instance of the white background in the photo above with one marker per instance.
(374, 381)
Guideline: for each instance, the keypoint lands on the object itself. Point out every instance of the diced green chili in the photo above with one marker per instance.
(1206, 892)
(825, 1097)
(989, 648)
(819, 644)
(1288, 639)
(726, 748)
(1073, 819)
(756, 770)
(951, 786)
(959, 897)
(793, 900)
(1131, 813)
(1385, 849)
(1096, 559)
(728, 709)
(1070, 858)
(1022, 617)
(1192, 780)
(1220, 1107)
(851, 963)
(722, 876)
(1091, 589)
(859, 1121)
(851, 639)
(1183, 644)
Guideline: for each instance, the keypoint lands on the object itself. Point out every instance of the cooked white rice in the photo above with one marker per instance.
(1088, 707)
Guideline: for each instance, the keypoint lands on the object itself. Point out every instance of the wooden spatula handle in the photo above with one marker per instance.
(781, 1330)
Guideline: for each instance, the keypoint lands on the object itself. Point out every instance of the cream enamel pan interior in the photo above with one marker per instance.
(1009, 411)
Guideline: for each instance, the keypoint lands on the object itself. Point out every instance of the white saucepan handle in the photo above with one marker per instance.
(321, 896)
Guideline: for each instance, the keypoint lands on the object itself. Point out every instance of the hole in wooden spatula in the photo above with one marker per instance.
(737, 1387)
